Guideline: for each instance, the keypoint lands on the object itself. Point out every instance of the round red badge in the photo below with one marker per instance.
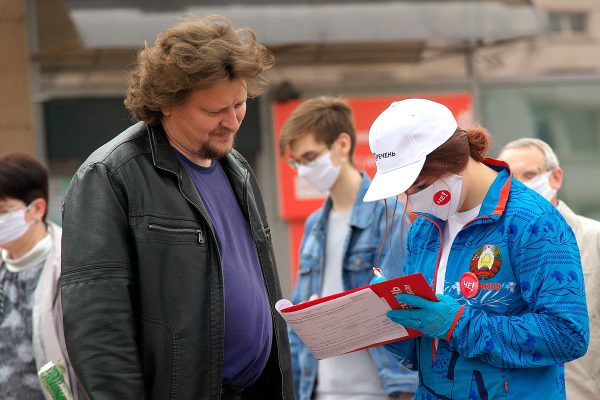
(469, 285)
(442, 197)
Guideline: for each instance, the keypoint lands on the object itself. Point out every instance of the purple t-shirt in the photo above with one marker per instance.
(248, 325)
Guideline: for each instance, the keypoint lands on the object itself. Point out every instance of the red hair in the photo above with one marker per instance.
(453, 155)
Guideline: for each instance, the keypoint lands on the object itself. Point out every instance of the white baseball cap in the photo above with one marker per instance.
(401, 138)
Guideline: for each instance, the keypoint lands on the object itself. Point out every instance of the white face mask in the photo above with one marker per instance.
(440, 198)
(541, 184)
(13, 226)
(322, 174)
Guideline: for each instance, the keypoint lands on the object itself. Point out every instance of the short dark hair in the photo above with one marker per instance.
(24, 178)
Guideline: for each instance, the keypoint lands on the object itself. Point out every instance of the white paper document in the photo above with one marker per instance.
(343, 324)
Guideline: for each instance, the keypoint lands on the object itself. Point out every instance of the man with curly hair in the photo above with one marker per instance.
(169, 277)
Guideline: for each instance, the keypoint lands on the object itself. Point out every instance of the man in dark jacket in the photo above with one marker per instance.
(169, 277)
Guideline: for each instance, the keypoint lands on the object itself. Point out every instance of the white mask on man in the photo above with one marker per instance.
(321, 174)
(439, 199)
(541, 184)
(13, 226)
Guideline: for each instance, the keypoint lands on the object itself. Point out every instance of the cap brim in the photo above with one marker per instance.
(392, 183)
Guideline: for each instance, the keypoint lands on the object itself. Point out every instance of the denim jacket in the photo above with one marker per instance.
(368, 224)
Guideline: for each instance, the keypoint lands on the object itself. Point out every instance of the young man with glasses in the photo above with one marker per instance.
(342, 241)
(533, 162)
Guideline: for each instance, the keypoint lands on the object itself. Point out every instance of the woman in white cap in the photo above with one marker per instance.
(503, 261)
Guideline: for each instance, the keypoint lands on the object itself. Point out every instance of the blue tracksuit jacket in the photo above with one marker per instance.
(529, 316)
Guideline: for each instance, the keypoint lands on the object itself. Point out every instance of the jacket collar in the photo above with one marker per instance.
(234, 169)
(494, 202)
(162, 152)
(362, 213)
(164, 158)
(574, 220)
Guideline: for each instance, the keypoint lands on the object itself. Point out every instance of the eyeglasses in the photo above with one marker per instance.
(309, 160)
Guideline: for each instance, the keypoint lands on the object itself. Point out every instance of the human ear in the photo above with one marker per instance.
(166, 111)
(345, 144)
(556, 178)
(37, 209)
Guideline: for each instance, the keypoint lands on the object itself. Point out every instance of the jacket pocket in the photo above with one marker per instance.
(176, 230)
(309, 272)
(358, 260)
(158, 359)
(358, 265)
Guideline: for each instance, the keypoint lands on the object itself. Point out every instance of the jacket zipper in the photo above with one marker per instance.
(155, 227)
(218, 260)
(211, 235)
(437, 264)
(435, 272)
(268, 235)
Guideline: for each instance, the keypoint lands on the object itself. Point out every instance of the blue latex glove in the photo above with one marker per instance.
(433, 319)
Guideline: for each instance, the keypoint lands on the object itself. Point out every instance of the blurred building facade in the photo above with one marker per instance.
(532, 68)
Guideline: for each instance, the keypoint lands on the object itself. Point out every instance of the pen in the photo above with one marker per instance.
(377, 272)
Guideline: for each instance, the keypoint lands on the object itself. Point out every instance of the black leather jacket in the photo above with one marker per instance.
(142, 286)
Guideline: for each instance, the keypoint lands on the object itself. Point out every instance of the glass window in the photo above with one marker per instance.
(578, 22)
(554, 22)
(567, 22)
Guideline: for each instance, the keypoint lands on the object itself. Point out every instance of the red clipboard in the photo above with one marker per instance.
(414, 284)
(410, 284)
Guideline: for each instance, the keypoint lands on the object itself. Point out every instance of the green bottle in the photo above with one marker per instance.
(52, 377)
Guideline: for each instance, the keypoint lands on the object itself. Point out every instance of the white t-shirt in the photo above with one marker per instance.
(338, 229)
(454, 224)
(350, 376)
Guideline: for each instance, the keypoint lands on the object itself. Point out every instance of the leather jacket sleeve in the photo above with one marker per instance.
(96, 285)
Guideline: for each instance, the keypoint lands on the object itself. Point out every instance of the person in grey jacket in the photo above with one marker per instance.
(169, 277)
(31, 329)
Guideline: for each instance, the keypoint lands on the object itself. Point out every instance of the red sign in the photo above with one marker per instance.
(297, 199)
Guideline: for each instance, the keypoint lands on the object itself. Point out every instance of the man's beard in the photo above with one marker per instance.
(215, 152)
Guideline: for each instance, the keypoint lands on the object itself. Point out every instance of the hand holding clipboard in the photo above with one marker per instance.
(355, 319)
